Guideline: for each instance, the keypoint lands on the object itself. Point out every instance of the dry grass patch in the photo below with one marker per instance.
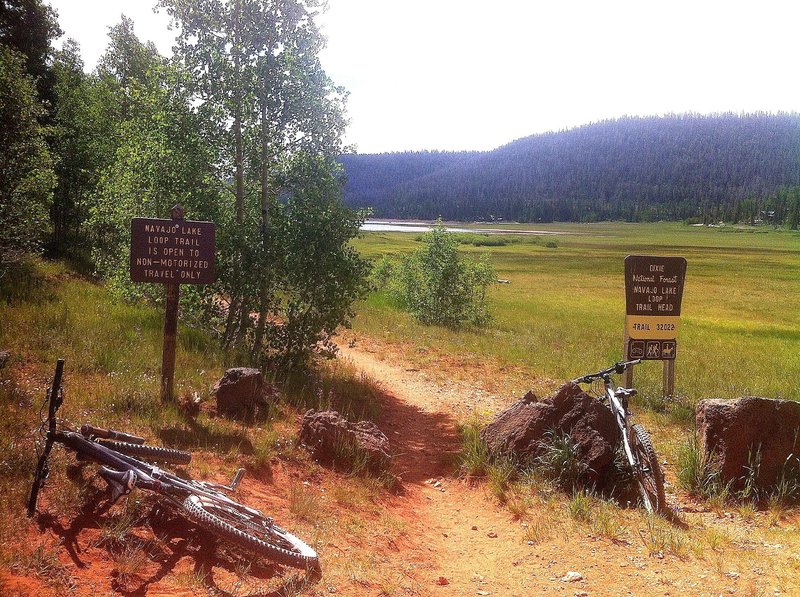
(606, 522)
(43, 563)
(304, 502)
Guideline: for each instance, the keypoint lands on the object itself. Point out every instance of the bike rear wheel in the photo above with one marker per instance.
(154, 453)
(649, 475)
(254, 534)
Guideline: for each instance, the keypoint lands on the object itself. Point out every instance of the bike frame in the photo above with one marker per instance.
(145, 475)
(621, 417)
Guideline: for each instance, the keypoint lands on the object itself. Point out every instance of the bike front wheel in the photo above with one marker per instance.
(252, 533)
(648, 473)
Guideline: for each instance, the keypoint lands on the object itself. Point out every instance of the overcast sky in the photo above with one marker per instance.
(464, 74)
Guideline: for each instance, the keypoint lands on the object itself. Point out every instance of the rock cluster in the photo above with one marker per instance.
(731, 432)
(521, 429)
(331, 437)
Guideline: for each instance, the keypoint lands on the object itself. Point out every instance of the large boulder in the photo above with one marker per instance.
(239, 393)
(331, 438)
(521, 429)
(732, 431)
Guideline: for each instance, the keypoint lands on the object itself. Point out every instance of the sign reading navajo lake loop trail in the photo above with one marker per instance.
(172, 252)
(653, 293)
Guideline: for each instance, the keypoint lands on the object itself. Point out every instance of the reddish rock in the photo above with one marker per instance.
(239, 393)
(330, 436)
(730, 430)
(520, 430)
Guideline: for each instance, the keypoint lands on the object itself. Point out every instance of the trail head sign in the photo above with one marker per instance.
(653, 293)
(173, 251)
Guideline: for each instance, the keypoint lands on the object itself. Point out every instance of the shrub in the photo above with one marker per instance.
(437, 285)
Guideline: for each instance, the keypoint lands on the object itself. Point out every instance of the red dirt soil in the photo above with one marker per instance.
(455, 539)
(475, 546)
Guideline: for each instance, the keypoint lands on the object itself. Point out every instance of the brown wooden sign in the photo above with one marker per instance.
(653, 293)
(172, 251)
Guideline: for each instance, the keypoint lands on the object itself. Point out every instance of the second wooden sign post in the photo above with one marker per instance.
(172, 252)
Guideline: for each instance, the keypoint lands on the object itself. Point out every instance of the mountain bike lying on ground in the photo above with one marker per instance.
(642, 458)
(204, 505)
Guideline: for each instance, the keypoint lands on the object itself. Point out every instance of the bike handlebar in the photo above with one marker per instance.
(90, 431)
(616, 368)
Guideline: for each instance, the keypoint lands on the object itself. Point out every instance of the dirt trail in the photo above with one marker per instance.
(465, 543)
(454, 538)
(464, 539)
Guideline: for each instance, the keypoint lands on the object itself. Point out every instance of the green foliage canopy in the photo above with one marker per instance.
(254, 69)
(161, 158)
(318, 274)
(27, 27)
(26, 167)
(243, 133)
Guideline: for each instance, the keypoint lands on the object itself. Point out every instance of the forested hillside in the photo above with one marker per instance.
(720, 167)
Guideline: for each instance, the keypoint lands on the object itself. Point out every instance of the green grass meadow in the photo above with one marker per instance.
(563, 313)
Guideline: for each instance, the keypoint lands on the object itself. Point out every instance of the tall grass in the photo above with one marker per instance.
(473, 460)
(700, 475)
(563, 312)
(117, 344)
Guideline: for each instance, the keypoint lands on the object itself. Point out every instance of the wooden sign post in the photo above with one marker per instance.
(172, 252)
(653, 293)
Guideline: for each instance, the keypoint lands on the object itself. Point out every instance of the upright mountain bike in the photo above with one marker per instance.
(636, 443)
(204, 505)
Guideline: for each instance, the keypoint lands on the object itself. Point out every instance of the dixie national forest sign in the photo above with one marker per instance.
(653, 293)
(173, 251)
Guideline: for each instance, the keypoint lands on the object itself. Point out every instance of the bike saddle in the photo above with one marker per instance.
(120, 482)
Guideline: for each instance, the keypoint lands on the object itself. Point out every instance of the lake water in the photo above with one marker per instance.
(398, 226)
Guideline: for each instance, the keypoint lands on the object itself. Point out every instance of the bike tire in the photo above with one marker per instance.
(155, 453)
(253, 534)
(650, 476)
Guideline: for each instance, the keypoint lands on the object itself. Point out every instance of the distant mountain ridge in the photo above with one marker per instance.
(636, 169)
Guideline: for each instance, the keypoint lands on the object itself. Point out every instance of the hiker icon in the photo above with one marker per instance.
(654, 350)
